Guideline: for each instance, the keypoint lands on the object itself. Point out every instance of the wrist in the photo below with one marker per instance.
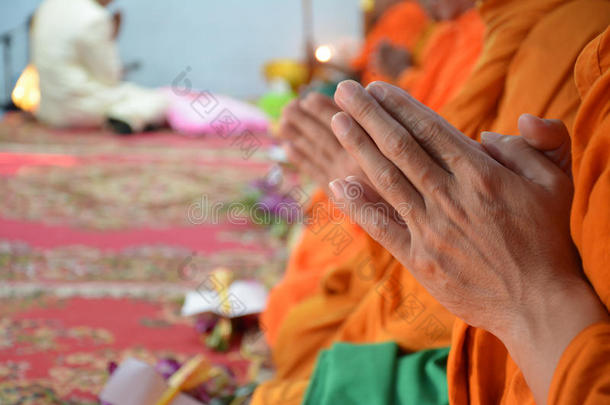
(558, 311)
(545, 324)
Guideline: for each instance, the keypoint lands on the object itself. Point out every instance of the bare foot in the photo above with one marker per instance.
(310, 143)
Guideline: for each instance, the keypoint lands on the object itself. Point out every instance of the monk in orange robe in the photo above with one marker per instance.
(582, 375)
(322, 251)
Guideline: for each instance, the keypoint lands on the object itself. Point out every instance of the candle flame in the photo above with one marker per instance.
(26, 94)
(324, 53)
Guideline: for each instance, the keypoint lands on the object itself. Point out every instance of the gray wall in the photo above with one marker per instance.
(225, 42)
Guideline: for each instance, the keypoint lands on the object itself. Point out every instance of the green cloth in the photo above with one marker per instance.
(377, 374)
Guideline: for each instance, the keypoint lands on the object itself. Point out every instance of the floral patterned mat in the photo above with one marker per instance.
(95, 233)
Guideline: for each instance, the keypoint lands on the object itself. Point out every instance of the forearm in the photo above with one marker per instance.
(551, 320)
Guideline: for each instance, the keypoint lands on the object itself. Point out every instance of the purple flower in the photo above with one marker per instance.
(112, 365)
(281, 206)
(263, 185)
(201, 393)
(167, 367)
(206, 323)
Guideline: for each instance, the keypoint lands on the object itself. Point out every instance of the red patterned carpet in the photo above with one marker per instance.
(94, 233)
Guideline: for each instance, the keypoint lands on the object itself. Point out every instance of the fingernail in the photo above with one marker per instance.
(533, 117)
(346, 90)
(487, 136)
(336, 187)
(377, 90)
(341, 124)
(351, 179)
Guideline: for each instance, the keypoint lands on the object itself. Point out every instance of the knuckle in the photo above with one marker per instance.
(354, 142)
(393, 99)
(388, 178)
(366, 109)
(430, 182)
(457, 160)
(397, 142)
(425, 129)
(379, 231)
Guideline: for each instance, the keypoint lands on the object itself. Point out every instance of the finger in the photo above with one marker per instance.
(304, 165)
(392, 139)
(400, 214)
(550, 137)
(518, 156)
(288, 131)
(310, 128)
(387, 179)
(437, 137)
(321, 108)
(372, 215)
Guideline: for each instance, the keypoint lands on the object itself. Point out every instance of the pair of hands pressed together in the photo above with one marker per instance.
(484, 227)
(310, 143)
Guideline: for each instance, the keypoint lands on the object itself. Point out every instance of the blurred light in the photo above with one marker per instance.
(323, 53)
(26, 94)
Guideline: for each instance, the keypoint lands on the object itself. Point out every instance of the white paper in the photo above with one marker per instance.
(137, 383)
(246, 298)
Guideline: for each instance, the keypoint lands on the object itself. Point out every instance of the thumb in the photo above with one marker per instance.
(550, 137)
(515, 153)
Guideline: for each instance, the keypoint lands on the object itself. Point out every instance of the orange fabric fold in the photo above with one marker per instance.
(583, 374)
(327, 243)
(480, 371)
(447, 60)
(405, 25)
(527, 63)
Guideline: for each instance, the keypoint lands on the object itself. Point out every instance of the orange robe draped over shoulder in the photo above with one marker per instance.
(480, 371)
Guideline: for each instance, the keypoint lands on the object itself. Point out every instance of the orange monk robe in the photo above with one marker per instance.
(447, 60)
(583, 374)
(405, 25)
(480, 370)
(327, 243)
(369, 298)
(527, 63)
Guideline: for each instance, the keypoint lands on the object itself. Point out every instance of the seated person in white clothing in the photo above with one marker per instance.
(75, 53)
